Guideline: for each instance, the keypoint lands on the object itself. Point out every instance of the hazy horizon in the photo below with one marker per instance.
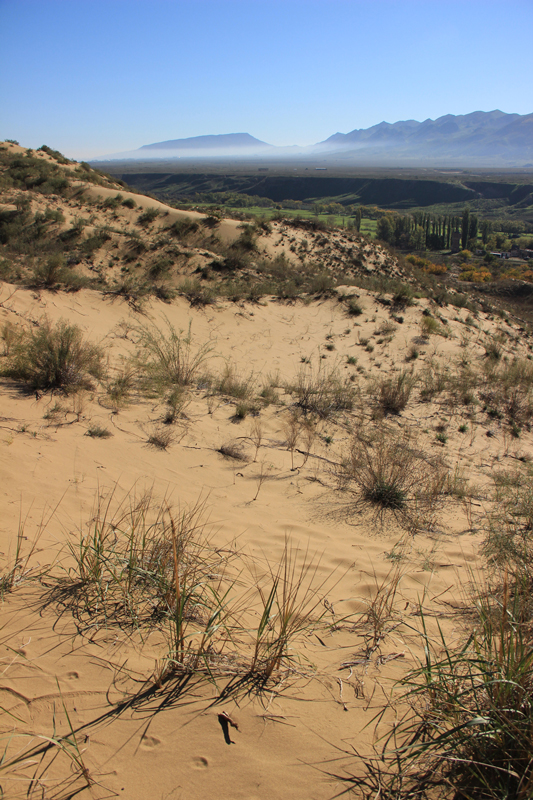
(94, 78)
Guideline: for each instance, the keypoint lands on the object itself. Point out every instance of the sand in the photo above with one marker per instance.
(303, 725)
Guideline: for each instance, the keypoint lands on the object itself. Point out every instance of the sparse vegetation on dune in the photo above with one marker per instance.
(330, 397)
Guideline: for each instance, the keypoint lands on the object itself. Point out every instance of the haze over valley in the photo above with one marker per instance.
(479, 139)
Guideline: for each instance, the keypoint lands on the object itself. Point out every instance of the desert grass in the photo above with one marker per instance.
(120, 569)
(429, 326)
(392, 394)
(467, 733)
(322, 391)
(256, 434)
(19, 566)
(120, 386)
(508, 542)
(160, 437)
(167, 358)
(391, 477)
(176, 401)
(232, 384)
(98, 432)
(291, 429)
(27, 759)
(291, 603)
(233, 449)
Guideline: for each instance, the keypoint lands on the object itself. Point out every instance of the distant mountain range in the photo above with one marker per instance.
(491, 134)
(221, 141)
(483, 138)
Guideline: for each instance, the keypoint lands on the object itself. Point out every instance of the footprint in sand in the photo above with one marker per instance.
(149, 742)
(199, 762)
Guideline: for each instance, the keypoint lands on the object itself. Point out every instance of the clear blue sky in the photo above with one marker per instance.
(90, 77)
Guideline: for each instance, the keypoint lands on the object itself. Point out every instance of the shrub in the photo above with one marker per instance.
(246, 241)
(54, 272)
(354, 308)
(403, 297)
(148, 216)
(183, 227)
(211, 221)
(113, 202)
(129, 202)
(196, 293)
(430, 326)
(55, 356)
(322, 284)
(233, 450)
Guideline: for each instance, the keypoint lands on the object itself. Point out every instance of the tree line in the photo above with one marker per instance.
(424, 231)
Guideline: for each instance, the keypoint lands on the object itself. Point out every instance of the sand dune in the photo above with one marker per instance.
(53, 471)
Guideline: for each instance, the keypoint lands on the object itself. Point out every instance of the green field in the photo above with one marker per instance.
(368, 226)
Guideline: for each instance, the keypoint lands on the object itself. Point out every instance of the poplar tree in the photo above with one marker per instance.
(472, 231)
(465, 228)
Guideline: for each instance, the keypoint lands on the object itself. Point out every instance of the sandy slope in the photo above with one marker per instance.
(171, 745)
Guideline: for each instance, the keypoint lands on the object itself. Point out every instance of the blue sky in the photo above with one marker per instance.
(90, 77)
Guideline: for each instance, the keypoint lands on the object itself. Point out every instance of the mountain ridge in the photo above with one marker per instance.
(481, 138)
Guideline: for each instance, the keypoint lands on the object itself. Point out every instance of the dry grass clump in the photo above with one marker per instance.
(231, 384)
(390, 476)
(429, 326)
(167, 358)
(176, 400)
(10, 334)
(55, 356)
(467, 729)
(323, 391)
(508, 390)
(290, 596)
(18, 567)
(98, 432)
(508, 543)
(161, 437)
(233, 449)
(197, 293)
(434, 380)
(121, 385)
(140, 564)
(392, 394)
(354, 308)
